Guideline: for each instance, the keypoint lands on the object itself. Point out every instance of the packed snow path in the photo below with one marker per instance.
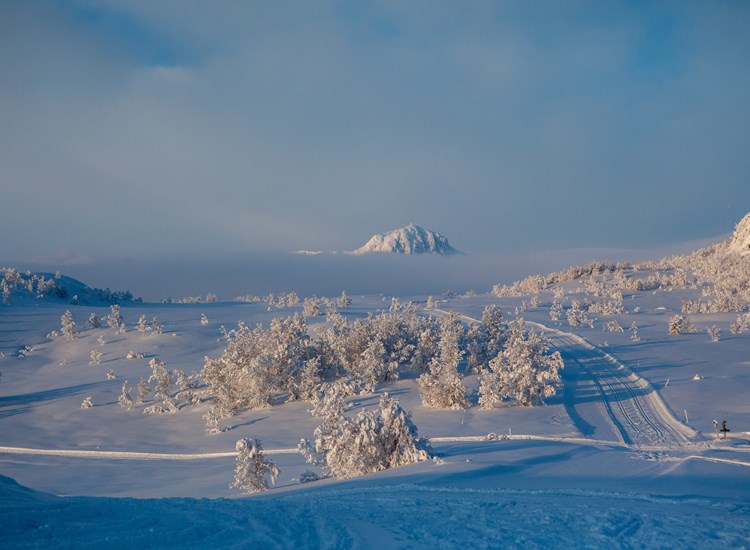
(606, 400)
(635, 411)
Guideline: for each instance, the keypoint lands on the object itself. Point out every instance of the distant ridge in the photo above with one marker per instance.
(411, 239)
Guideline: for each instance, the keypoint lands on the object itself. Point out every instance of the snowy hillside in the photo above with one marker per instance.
(411, 239)
(740, 241)
(386, 422)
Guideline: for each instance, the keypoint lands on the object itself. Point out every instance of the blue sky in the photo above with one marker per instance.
(154, 129)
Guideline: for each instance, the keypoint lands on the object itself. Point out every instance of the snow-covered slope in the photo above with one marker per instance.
(411, 239)
(740, 241)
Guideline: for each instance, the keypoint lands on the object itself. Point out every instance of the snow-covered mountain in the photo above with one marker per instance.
(411, 239)
(740, 241)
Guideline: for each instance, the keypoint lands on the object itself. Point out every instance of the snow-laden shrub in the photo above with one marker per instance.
(680, 325)
(93, 321)
(523, 371)
(124, 399)
(372, 441)
(441, 387)
(714, 333)
(613, 326)
(96, 357)
(87, 403)
(68, 326)
(253, 472)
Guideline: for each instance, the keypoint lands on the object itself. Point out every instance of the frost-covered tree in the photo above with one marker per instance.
(253, 472)
(430, 303)
(555, 310)
(114, 319)
(124, 399)
(111, 374)
(212, 421)
(523, 371)
(142, 324)
(311, 307)
(87, 403)
(143, 389)
(680, 325)
(714, 333)
(96, 357)
(204, 319)
(372, 441)
(344, 300)
(94, 321)
(101, 341)
(634, 332)
(613, 326)
(441, 387)
(156, 326)
(68, 326)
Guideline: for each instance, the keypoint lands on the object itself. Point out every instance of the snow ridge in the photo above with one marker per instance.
(740, 241)
(411, 239)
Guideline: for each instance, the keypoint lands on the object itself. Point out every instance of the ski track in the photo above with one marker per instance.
(639, 415)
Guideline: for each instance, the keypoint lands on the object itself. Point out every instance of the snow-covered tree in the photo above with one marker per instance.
(714, 333)
(523, 371)
(634, 332)
(114, 319)
(372, 441)
(142, 324)
(156, 326)
(204, 319)
(441, 387)
(430, 303)
(253, 472)
(613, 326)
(93, 321)
(111, 374)
(87, 403)
(143, 390)
(311, 307)
(680, 325)
(68, 326)
(344, 300)
(212, 421)
(96, 357)
(124, 399)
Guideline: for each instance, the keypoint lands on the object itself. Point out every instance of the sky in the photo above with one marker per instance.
(135, 131)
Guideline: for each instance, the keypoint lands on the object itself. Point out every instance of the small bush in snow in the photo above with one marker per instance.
(253, 473)
(68, 326)
(634, 333)
(96, 357)
(307, 476)
(680, 325)
(111, 374)
(87, 403)
(124, 398)
(714, 333)
(94, 322)
(613, 326)
(204, 319)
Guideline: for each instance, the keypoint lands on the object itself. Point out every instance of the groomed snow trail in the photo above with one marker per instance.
(632, 404)
(627, 408)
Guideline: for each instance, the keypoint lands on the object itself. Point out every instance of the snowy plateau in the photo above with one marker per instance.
(411, 239)
(602, 406)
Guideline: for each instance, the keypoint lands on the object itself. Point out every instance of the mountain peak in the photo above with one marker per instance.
(411, 239)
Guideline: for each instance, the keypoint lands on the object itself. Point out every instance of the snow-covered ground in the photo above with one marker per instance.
(625, 453)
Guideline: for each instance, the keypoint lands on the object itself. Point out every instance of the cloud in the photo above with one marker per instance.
(145, 129)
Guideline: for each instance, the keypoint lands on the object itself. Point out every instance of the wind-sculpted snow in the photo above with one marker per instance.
(392, 516)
